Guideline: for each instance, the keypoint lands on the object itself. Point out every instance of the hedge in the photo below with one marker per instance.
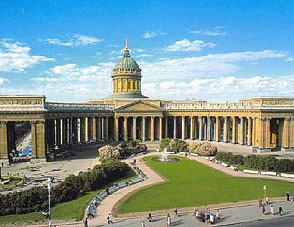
(259, 162)
(36, 199)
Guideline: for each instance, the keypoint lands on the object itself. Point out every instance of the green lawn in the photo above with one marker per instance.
(72, 210)
(194, 184)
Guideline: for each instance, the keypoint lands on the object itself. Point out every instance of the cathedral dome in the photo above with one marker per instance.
(126, 64)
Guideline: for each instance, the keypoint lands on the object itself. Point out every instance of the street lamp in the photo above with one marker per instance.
(49, 198)
(264, 190)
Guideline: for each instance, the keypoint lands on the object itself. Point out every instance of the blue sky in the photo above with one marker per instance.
(213, 50)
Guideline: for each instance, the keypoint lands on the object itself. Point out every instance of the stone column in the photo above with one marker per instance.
(79, 129)
(208, 128)
(200, 128)
(41, 139)
(102, 128)
(3, 140)
(192, 128)
(226, 129)
(268, 132)
(241, 133)
(86, 129)
(217, 129)
(94, 128)
(34, 138)
(134, 128)
(285, 139)
(160, 128)
(234, 130)
(152, 128)
(99, 134)
(106, 128)
(68, 131)
(183, 128)
(62, 129)
(126, 128)
(143, 128)
(292, 133)
(116, 128)
(166, 127)
(175, 127)
(249, 131)
(71, 131)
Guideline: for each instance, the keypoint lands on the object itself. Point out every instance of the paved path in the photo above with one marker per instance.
(110, 201)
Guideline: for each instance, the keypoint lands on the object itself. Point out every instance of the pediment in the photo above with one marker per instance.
(139, 106)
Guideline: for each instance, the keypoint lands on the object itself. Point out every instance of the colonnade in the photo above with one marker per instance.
(265, 133)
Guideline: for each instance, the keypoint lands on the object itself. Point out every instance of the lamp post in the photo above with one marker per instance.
(264, 190)
(49, 198)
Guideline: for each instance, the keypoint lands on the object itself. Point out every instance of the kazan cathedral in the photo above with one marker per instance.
(263, 124)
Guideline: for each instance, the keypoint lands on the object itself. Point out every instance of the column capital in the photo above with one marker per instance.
(3, 122)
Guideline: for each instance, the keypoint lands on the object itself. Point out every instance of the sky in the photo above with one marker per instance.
(213, 50)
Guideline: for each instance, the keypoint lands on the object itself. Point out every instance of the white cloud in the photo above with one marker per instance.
(152, 34)
(3, 80)
(71, 82)
(213, 65)
(16, 57)
(187, 45)
(222, 89)
(76, 40)
(217, 31)
(291, 59)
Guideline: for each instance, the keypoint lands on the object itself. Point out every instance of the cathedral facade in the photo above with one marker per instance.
(265, 124)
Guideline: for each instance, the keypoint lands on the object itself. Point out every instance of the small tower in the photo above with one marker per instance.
(127, 77)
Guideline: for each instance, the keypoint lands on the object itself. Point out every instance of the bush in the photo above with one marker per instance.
(176, 145)
(203, 149)
(164, 143)
(36, 198)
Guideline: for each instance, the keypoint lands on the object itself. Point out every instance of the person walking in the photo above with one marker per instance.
(176, 212)
(109, 219)
(267, 200)
(217, 215)
(194, 212)
(288, 196)
(263, 210)
(207, 215)
(85, 221)
(272, 210)
(143, 224)
(149, 217)
(168, 220)
(280, 210)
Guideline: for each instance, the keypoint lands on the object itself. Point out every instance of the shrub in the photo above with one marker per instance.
(108, 151)
(164, 143)
(203, 149)
(176, 145)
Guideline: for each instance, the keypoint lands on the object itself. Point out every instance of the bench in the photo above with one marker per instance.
(250, 171)
(269, 173)
(287, 175)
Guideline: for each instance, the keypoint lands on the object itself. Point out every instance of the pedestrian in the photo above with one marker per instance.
(109, 219)
(176, 212)
(280, 210)
(211, 219)
(272, 210)
(267, 200)
(194, 212)
(217, 215)
(207, 214)
(288, 196)
(85, 221)
(149, 217)
(168, 220)
(263, 210)
(260, 203)
(143, 224)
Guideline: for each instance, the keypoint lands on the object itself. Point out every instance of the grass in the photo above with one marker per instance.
(71, 210)
(191, 183)
(12, 183)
